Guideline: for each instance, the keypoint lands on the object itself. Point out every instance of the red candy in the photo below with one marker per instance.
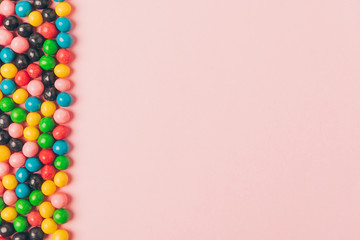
(60, 132)
(34, 70)
(64, 56)
(48, 172)
(22, 78)
(34, 218)
(46, 156)
(48, 30)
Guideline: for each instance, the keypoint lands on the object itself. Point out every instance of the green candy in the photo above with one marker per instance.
(36, 197)
(23, 206)
(18, 115)
(2, 204)
(50, 47)
(7, 104)
(20, 224)
(61, 162)
(45, 140)
(61, 216)
(46, 124)
(47, 62)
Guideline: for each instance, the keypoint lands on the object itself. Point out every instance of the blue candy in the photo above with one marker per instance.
(7, 86)
(23, 8)
(64, 40)
(64, 99)
(22, 190)
(33, 164)
(7, 55)
(33, 104)
(61, 147)
(63, 24)
(22, 175)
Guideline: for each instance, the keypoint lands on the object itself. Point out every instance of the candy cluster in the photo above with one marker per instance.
(34, 58)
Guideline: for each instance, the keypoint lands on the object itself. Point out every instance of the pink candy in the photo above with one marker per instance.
(35, 87)
(7, 8)
(17, 160)
(62, 85)
(30, 149)
(59, 200)
(4, 168)
(62, 116)
(15, 130)
(9, 197)
(5, 37)
(19, 44)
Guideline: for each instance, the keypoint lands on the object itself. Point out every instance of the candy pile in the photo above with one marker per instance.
(34, 58)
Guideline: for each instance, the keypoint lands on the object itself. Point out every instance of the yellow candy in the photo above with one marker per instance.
(60, 235)
(46, 210)
(35, 18)
(8, 214)
(4, 153)
(61, 179)
(8, 70)
(48, 108)
(31, 133)
(33, 118)
(9, 181)
(63, 9)
(62, 70)
(48, 187)
(20, 96)
(48, 226)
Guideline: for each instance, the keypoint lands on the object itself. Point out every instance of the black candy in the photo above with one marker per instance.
(35, 181)
(36, 234)
(4, 137)
(21, 236)
(6, 229)
(16, 144)
(5, 120)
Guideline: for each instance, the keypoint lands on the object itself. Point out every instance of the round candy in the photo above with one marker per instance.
(47, 62)
(8, 70)
(48, 172)
(34, 218)
(48, 108)
(46, 210)
(23, 190)
(62, 70)
(61, 147)
(4, 168)
(20, 96)
(34, 70)
(61, 179)
(22, 175)
(18, 115)
(63, 9)
(6, 228)
(60, 234)
(23, 8)
(60, 132)
(20, 224)
(46, 156)
(61, 216)
(33, 164)
(33, 104)
(22, 78)
(59, 200)
(62, 84)
(8, 214)
(35, 88)
(46, 124)
(7, 86)
(48, 226)
(35, 18)
(64, 40)
(33, 118)
(36, 197)
(30, 149)
(9, 197)
(7, 8)
(7, 55)
(50, 47)
(35, 181)
(64, 99)
(31, 134)
(9, 182)
(17, 159)
(61, 116)
(23, 206)
(19, 45)
(62, 162)
(48, 30)
(45, 140)
(4, 153)
(48, 187)
(63, 24)
(36, 234)
(7, 104)
(64, 56)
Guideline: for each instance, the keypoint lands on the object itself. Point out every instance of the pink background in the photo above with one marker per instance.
(214, 120)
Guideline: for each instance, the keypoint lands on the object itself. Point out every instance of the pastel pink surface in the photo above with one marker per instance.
(208, 120)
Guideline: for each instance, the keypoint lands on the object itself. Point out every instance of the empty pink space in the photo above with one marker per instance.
(213, 120)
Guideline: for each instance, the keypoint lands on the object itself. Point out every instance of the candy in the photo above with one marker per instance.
(35, 42)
